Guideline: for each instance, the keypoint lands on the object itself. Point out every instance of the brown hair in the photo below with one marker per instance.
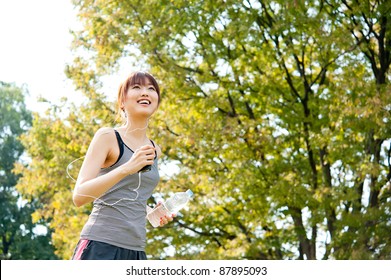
(138, 77)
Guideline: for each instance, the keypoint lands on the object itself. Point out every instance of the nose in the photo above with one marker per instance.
(144, 92)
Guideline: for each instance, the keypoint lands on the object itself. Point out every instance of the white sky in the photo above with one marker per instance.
(35, 47)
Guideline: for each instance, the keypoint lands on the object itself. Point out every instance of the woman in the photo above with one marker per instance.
(119, 174)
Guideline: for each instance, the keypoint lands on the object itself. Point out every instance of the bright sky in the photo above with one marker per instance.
(35, 46)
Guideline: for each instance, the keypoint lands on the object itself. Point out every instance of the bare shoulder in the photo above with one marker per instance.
(104, 146)
(106, 132)
(104, 136)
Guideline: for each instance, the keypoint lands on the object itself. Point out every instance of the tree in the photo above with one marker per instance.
(368, 23)
(276, 115)
(56, 145)
(17, 230)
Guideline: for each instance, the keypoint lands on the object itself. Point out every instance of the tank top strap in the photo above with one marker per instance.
(120, 145)
(153, 144)
(119, 139)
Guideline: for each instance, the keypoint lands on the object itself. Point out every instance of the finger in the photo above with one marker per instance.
(147, 154)
(149, 151)
(169, 219)
(147, 147)
(163, 221)
(150, 156)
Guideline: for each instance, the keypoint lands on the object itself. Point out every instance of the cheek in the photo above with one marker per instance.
(156, 97)
(129, 96)
(156, 107)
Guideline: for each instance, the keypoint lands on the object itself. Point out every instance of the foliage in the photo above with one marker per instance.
(276, 114)
(17, 230)
(56, 146)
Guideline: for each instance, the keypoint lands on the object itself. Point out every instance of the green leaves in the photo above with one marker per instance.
(266, 106)
(275, 114)
(19, 235)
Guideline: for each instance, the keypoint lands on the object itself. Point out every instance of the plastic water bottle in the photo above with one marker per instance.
(169, 207)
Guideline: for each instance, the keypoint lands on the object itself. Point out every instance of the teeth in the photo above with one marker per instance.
(143, 102)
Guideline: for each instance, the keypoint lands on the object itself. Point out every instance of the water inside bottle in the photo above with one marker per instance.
(158, 212)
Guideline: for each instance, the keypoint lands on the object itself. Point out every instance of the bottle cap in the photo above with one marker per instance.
(189, 193)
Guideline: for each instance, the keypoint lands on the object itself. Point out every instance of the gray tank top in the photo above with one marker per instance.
(118, 217)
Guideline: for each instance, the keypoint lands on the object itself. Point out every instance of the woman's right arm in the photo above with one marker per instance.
(88, 185)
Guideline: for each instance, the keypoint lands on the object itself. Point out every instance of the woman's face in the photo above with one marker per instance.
(141, 99)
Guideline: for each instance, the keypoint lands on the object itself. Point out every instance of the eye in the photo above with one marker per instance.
(135, 87)
(152, 88)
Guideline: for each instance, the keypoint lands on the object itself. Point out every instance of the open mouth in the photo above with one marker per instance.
(144, 102)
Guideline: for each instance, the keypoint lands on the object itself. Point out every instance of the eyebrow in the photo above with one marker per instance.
(149, 84)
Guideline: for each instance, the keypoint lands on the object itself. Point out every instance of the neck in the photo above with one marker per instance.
(136, 128)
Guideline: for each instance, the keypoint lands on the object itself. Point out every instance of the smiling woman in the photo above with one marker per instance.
(119, 174)
(135, 86)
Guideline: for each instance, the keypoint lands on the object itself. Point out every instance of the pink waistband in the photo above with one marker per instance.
(80, 248)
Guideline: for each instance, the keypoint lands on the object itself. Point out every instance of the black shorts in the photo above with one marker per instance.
(96, 250)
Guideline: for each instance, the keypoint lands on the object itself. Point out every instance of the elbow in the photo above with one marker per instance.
(78, 200)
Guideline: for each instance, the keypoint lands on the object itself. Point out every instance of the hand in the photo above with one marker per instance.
(164, 220)
(143, 156)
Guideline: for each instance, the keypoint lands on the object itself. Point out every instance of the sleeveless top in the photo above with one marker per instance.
(118, 217)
